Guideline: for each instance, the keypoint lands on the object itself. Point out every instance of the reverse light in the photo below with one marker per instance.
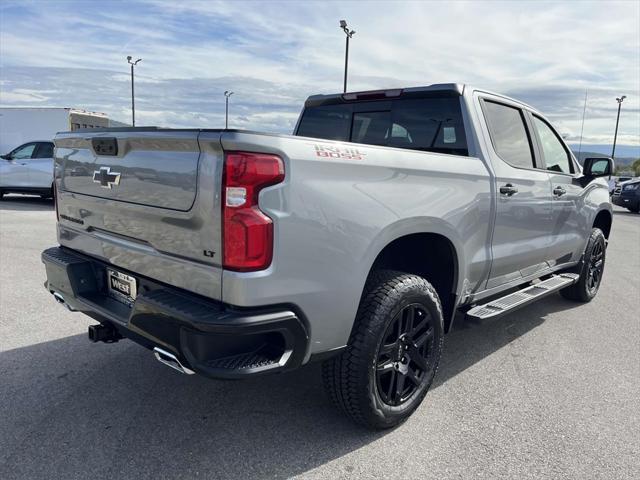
(235, 196)
(247, 231)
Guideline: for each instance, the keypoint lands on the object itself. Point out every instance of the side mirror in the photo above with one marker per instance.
(597, 167)
(6, 157)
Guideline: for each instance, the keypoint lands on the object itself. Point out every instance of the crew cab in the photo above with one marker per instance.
(353, 241)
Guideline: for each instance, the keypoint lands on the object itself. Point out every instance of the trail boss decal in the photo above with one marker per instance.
(329, 151)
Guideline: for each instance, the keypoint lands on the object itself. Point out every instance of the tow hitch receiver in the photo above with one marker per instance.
(103, 333)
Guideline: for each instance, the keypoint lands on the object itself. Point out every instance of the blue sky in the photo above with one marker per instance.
(275, 54)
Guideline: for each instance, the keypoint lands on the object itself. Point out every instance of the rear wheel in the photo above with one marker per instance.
(586, 288)
(393, 352)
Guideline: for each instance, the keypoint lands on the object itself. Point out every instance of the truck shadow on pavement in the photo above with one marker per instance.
(26, 203)
(72, 409)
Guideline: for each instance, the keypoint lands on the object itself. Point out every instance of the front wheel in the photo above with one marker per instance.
(586, 288)
(393, 352)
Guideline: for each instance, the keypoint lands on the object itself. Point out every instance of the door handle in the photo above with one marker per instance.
(559, 191)
(508, 190)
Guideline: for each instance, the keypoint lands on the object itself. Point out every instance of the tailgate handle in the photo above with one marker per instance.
(105, 145)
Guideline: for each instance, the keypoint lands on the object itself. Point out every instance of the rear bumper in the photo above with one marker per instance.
(211, 338)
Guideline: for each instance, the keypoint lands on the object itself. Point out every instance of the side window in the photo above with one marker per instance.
(23, 152)
(45, 150)
(555, 155)
(509, 134)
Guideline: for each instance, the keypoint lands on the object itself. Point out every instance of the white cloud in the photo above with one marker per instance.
(275, 54)
(21, 95)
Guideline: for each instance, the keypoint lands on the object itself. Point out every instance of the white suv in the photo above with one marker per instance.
(28, 169)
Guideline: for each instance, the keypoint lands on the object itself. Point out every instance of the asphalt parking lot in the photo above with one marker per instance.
(551, 391)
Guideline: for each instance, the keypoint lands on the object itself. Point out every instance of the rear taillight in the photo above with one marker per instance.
(247, 231)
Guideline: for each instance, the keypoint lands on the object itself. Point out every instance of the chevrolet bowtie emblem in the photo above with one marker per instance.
(106, 178)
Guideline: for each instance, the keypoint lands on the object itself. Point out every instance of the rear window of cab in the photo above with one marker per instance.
(425, 124)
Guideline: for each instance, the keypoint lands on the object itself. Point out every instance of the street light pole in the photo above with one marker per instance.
(227, 94)
(133, 102)
(349, 34)
(615, 135)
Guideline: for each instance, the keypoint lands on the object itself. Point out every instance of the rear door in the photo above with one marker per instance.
(523, 207)
(40, 167)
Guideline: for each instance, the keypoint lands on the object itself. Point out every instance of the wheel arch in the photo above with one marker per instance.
(429, 248)
(603, 221)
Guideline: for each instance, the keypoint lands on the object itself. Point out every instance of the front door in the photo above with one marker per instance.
(569, 229)
(14, 171)
(524, 204)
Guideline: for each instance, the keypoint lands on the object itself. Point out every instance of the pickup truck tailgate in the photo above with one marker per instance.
(159, 170)
(146, 200)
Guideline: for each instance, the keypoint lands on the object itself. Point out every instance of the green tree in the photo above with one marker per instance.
(635, 166)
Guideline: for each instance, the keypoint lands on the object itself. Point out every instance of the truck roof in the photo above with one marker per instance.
(437, 90)
(434, 90)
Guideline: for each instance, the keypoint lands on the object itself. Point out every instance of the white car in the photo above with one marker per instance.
(28, 169)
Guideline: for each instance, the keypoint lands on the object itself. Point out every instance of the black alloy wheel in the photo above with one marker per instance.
(591, 269)
(383, 375)
(596, 267)
(405, 355)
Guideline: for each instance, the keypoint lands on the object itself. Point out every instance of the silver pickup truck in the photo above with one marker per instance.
(355, 241)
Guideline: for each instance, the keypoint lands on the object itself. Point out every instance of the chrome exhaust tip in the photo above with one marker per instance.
(60, 299)
(170, 360)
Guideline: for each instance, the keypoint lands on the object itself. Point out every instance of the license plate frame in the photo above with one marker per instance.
(121, 287)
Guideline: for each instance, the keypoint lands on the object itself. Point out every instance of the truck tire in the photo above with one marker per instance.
(393, 352)
(586, 288)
